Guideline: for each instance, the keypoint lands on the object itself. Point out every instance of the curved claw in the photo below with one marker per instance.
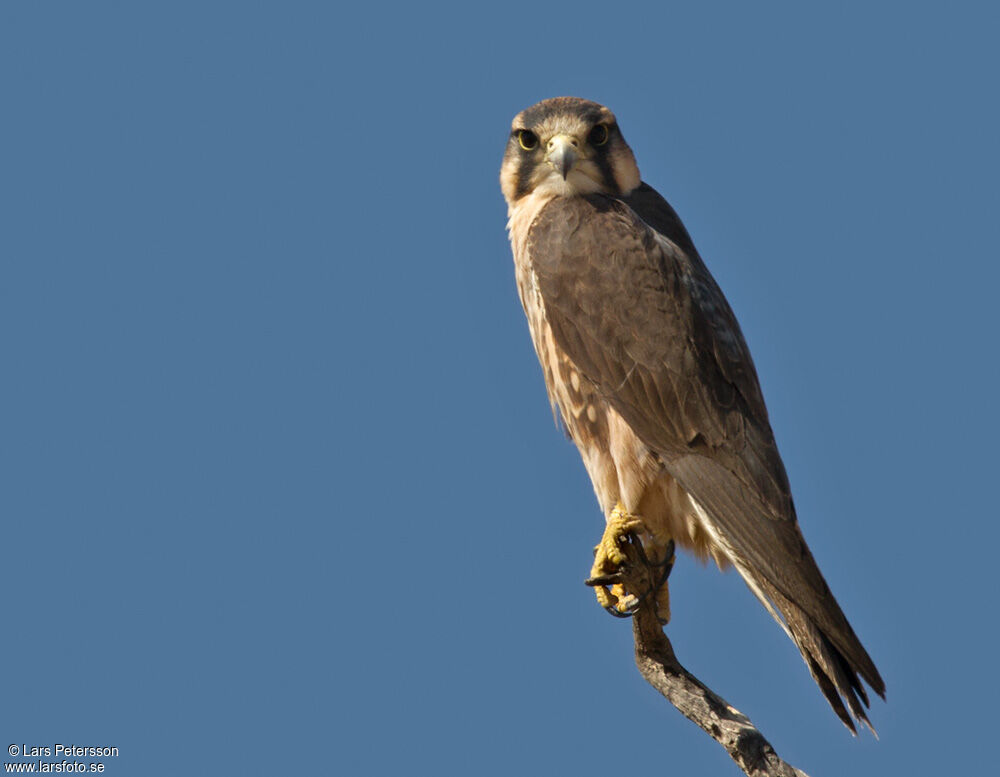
(612, 610)
(593, 582)
(667, 564)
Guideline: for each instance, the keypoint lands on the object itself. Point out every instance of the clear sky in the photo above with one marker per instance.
(281, 490)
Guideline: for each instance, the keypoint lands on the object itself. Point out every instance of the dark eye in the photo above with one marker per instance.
(599, 135)
(527, 139)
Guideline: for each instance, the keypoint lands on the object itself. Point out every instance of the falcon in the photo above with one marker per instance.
(648, 370)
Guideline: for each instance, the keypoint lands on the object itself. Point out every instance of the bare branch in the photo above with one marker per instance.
(654, 655)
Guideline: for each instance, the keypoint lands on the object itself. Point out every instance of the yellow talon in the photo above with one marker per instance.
(606, 578)
(608, 557)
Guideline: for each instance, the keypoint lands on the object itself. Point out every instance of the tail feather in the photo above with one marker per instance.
(835, 661)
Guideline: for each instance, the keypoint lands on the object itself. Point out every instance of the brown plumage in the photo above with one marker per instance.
(647, 367)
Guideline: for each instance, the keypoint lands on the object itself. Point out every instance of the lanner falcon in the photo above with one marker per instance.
(648, 369)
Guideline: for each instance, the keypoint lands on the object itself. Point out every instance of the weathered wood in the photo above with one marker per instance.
(654, 655)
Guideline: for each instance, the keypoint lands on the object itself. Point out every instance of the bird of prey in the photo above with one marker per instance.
(647, 368)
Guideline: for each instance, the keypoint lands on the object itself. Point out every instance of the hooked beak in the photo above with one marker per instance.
(562, 154)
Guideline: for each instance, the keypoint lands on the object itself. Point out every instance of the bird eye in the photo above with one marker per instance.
(527, 139)
(599, 135)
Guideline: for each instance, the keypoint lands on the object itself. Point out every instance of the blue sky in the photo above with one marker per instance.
(281, 488)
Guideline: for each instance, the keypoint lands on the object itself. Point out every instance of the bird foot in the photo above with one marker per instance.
(614, 583)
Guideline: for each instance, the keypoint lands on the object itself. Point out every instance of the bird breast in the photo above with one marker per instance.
(621, 467)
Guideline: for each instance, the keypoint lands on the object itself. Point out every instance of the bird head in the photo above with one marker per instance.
(564, 147)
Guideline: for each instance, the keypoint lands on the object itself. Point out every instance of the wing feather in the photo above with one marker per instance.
(640, 316)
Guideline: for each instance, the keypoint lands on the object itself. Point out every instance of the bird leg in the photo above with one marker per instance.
(619, 590)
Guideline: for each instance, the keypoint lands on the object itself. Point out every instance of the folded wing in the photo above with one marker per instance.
(633, 306)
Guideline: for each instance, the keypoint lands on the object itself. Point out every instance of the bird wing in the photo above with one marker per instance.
(643, 320)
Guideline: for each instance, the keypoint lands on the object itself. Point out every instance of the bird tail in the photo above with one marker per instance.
(816, 624)
(837, 660)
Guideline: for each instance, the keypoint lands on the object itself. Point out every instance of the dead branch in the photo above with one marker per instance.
(654, 655)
